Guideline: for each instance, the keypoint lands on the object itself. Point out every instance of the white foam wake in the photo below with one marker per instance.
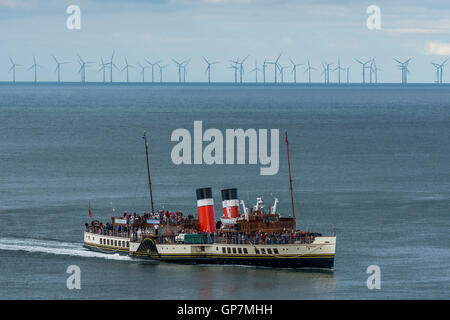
(55, 247)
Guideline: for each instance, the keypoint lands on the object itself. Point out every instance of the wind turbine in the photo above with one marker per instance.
(347, 71)
(241, 67)
(111, 65)
(255, 70)
(404, 67)
(363, 64)
(34, 65)
(103, 66)
(208, 68)
(294, 69)
(161, 71)
(58, 67)
(281, 68)
(143, 71)
(235, 67)
(374, 69)
(184, 65)
(439, 70)
(127, 67)
(326, 71)
(153, 68)
(13, 68)
(264, 70)
(275, 63)
(309, 69)
(180, 67)
(339, 68)
(82, 70)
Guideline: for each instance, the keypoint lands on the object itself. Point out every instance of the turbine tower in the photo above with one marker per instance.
(264, 70)
(374, 69)
(439, 70)
(127, 67)
(161, 72)
(275, 63)
(34, 66)
(143, 72)
(13, 68)
(58, 67)
(294, 68)
(82, 70)
(281, 69)
(363, 64)
(240, 68)
(404, 67)
(309, 69)
(153, 68)
(180, 67)
(103, 67)
(326, 71)
(111, 65)
(255, 70)
(235, 67)
(208, 68)
(339, 69)
(184, 65)
(347, 71)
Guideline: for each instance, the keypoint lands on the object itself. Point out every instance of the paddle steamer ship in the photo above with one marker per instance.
(253, 236)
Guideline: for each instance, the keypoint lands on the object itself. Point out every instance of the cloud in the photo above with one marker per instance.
(437, 48)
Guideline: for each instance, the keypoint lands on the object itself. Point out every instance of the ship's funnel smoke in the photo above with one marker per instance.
(205, 207)
(230, 203)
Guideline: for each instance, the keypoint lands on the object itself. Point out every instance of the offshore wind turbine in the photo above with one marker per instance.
(82, 70)
(34, 66)
(326, 71)
(264, 70)
(240, 68)
(281, 68)
(161, 71)
(58, 67)
(439, 70)
(153, 68)
(363, 64)
(347, 71)
(13, 68)
(309, 69)
(103, 67)
(127, 67)
(180, 67)
(338, 69)
(184, 65)
(235, 67)
(374, 69)
(275, 63)
(294, 68)
(255, 70)
(404, 67)
(208, 68)
(143, 71)
(111, 65)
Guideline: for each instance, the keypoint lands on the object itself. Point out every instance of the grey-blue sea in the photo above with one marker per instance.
(373, 161)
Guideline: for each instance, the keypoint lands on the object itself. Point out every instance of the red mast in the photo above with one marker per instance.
(290, 179)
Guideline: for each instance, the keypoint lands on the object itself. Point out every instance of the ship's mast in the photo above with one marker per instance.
(148, 172)
(290, 178)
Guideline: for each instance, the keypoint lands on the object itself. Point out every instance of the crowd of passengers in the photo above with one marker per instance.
(163, 217)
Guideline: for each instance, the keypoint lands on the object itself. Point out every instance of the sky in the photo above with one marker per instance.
(223, 30)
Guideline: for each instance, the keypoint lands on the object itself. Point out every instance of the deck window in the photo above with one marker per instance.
(263, 251)
(269, 251)
(275, 250)
(245, 251)
(128, 244)
(115, 243)
(240, 250)
(107, 240)
(234, 250)
(256, 251)
(229, 250)
(224, 250)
